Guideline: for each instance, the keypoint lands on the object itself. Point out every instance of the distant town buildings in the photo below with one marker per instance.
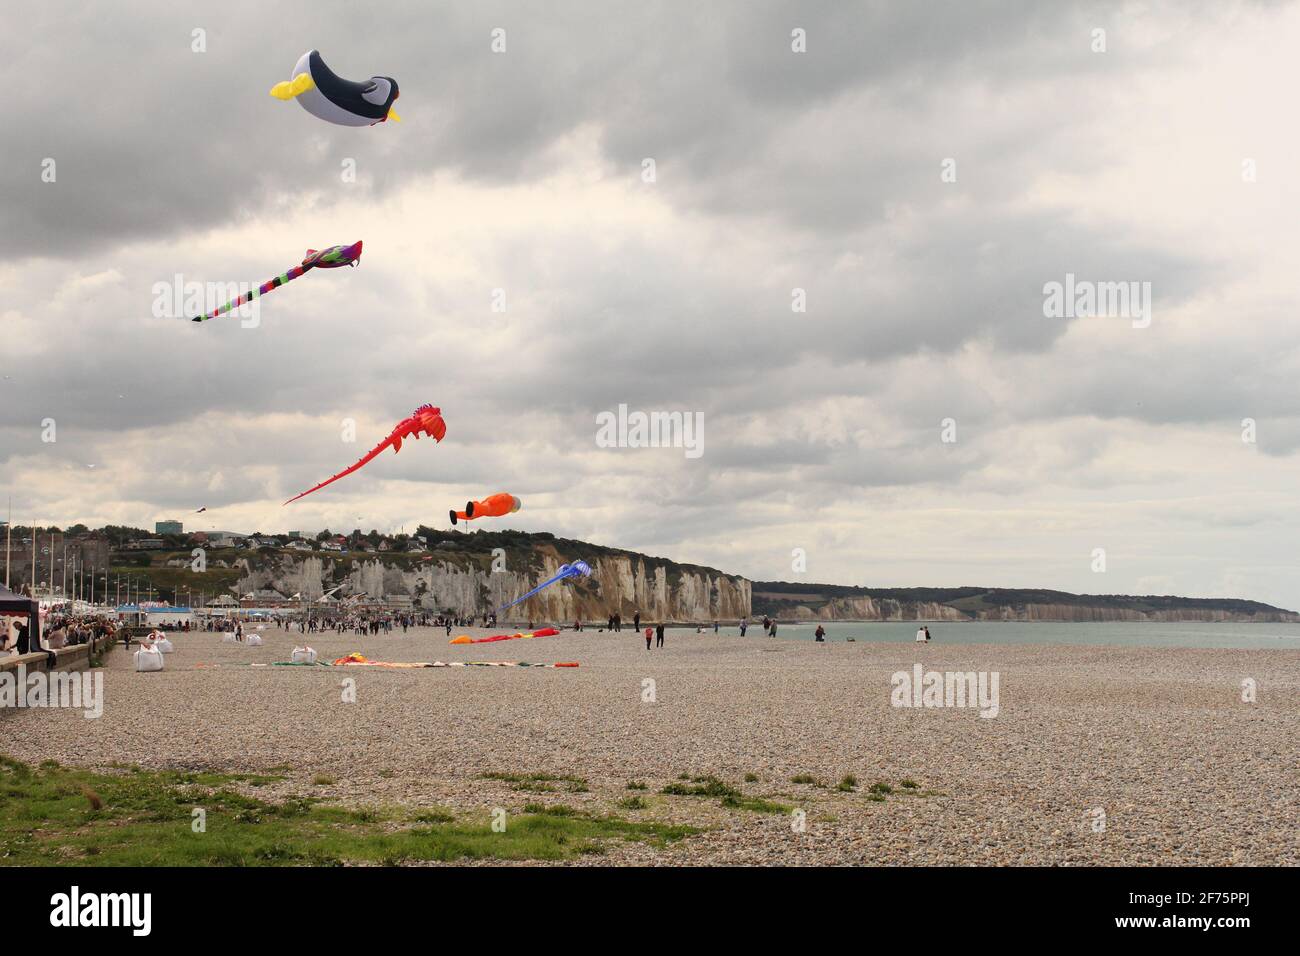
(168, 527)
(146, 544)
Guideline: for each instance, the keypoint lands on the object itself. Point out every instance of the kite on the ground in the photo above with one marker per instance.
(576, 569)
(326, 95)
(330, 258)
(466, 639)
(424, 420)
(493, 506)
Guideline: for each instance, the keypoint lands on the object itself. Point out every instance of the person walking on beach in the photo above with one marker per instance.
(744, 623)
(648, 633)
(927, 634)
(922, 635)
(659, 635)
(773, 627)
(820, 634)
(636, 621)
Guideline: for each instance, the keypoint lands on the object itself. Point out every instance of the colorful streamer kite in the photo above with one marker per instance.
(466, 639)
(424, 420)
(330, 258)
(576, 569)
(357, 660)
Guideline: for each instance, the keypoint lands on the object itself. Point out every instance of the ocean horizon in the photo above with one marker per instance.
(1228, 635)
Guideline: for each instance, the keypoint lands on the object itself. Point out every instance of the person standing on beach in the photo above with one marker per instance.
(744, 623)
(636, 621)
(773, 631)
(648, 633)
(927, 634)
(820, 634)
(659, 635)
(921, 637)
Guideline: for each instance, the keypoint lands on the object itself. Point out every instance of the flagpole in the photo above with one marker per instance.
(9, 534)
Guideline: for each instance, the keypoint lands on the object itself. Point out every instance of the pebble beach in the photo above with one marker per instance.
(1096, 756)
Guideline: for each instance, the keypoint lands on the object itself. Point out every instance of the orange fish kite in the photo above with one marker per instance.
(493, 506)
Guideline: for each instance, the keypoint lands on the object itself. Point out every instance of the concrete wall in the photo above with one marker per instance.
(66, 659)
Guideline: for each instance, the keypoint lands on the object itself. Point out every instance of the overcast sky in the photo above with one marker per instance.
(1169, 158)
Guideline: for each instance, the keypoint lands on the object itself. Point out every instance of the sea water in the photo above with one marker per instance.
(1126, 634)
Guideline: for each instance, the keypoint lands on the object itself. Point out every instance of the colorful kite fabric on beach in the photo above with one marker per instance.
(576, 569)
(493, 506)
(356, 659)
(331, 258)
(425, 420)
(466, 639)
(326, 95)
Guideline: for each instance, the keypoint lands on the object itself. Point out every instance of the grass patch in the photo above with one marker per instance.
(909, 785)
(755, 804)
(751, 778)
(539, 782)
(805, 778)
(701, 787)
(881, 789)
(144, 818)
(848, 784)
(636, 785)
(634, 803)
(323, 780)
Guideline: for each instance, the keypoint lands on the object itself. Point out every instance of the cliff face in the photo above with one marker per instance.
(1070, 612)
(618, 583)
(873, 609)
(838, 603)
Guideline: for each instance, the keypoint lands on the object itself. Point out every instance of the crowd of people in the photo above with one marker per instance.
(64, 629)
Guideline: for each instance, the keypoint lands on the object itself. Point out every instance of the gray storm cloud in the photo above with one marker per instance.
(775, 171)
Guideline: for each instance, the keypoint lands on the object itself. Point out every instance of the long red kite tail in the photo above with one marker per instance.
(347, 471)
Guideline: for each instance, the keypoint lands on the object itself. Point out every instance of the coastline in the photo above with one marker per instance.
(1077, 730)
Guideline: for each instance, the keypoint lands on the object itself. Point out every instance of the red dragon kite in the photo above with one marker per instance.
(426, 419)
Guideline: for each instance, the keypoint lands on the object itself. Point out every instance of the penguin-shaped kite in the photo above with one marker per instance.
(336, 100)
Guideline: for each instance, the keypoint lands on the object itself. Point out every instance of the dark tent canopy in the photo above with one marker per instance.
(12, 604)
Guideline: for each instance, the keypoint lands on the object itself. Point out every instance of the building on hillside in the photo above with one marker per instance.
(300, 544)
(146, 544)
(264, 598)
(58, 559)
(168, 527)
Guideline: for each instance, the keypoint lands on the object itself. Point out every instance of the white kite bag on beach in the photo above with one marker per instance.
(253, 640)
(304, 655)
(164, 645)
(148, 659)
